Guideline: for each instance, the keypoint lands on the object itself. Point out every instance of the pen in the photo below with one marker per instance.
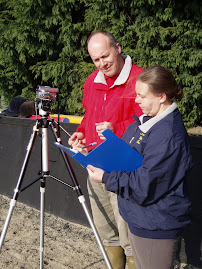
(92, 144)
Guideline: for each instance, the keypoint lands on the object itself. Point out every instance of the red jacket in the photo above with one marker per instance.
(114, 104)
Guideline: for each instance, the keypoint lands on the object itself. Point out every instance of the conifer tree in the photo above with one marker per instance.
(44, 43)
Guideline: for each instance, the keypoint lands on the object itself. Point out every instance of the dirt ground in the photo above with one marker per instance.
(66, 244)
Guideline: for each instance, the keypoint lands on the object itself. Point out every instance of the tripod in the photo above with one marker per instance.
(44, 123)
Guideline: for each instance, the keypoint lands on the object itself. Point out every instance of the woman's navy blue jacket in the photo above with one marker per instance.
(153, 199)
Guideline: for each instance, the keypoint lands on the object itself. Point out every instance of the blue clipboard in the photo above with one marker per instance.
(112, 154)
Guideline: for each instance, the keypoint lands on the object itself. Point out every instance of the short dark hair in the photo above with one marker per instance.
(112, 39)
(161, 80)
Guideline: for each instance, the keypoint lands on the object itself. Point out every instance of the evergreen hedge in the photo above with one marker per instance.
(44, 43)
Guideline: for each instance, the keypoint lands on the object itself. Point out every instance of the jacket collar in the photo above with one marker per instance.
(123, 76)
(144, 127)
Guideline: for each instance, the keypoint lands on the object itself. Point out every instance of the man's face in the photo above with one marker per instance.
(105, 57)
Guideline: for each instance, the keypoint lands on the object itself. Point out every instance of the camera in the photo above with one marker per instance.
(46, 93)
(44, 97)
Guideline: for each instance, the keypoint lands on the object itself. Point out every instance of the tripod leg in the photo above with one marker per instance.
(82, 201)
(42, 206)
(10, 211)
(81, 198)
(45, 173)
(19, 183)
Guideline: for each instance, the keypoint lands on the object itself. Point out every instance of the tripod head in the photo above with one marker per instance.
(44, 97)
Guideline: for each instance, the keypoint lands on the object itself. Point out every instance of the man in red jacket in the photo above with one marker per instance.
(109, 102)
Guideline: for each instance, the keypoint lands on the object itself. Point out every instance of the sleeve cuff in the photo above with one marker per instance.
(105, 177)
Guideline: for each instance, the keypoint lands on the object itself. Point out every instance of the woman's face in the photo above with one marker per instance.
(150, 103)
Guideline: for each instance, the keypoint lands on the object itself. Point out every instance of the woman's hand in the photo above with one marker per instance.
(95, 173)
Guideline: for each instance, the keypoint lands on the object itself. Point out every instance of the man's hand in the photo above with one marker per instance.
(77, 140)
(95, 173)
(101, 126)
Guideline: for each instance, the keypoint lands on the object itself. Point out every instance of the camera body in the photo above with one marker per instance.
(46, 93)
(44, 97)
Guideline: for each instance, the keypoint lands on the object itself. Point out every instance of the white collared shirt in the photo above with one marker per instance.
(144, 127)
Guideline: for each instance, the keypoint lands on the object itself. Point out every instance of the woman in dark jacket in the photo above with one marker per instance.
(153, 198)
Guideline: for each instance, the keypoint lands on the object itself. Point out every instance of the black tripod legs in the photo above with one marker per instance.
(81, 197)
